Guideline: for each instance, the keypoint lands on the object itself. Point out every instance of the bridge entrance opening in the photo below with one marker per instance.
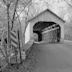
(47, 31)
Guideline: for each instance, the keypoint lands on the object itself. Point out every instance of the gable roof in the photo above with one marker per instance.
(43, 12)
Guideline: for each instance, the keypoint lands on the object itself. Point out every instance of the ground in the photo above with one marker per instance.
(55, 58)
(47, 58)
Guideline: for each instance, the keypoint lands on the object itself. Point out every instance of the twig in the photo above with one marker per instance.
(22, 10)
(14, 14)
(4, 2)
(2, 53)
(68, 3)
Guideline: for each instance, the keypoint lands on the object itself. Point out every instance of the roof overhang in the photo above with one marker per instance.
(30, 19)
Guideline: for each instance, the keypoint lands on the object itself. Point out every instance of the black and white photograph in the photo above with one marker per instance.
(35, 35)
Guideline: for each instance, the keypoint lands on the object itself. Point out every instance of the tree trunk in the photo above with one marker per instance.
(8, 46)
(19, 47)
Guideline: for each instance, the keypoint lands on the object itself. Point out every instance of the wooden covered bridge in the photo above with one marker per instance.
(46, 26)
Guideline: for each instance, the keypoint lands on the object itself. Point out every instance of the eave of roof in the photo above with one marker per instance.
(43, 12)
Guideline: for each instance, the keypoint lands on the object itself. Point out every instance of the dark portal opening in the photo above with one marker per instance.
(58, 33)
(0, 40)
(39, 26)
(39, 35)
(5, 40)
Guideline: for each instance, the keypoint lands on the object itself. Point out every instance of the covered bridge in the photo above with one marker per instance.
(46, 26)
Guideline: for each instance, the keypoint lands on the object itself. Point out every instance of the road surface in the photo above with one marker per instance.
(47, 58)
(54, 58)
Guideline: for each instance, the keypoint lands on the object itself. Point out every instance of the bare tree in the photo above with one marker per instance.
(11, 20)
(7, 8)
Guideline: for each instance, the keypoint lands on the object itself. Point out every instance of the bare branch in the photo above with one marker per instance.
(68, 3)
(4, 2)
(2, 52)
(26, 3)
(14, 13)
(23, 9)
(7, 3)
